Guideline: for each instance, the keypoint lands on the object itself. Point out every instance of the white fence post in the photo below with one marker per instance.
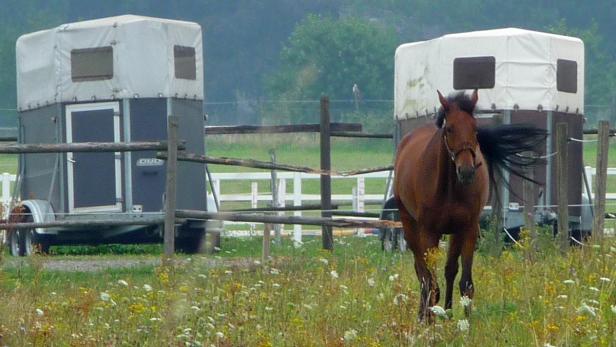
(282, 196)
(589, 172)
(254, 190)
(297, 201)
(361, 200)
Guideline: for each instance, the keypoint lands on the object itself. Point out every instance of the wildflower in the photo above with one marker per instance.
(147, 287)
(123, 283)
(393, 277)
(463, 325)
(39, 312)
(350, 335)
(268, 309)
(594, 289)
(276, 285)
(465, 301)
(307, 306)
(220, 335)
(585, 309)
(334, 274)
(217, 249)
(228, 272)
(569, 282)
(53, 293)
(342, 307)
(594, 302)
(439, 311)
(274, 271)
(399, 297)
(105, 296)
(547, 344)
(195, 308)
(613, 307)
(343, 287)
(371, 282)
(256, 262)
(155, 319)
(324, 261)
(605, 279)
(211, 326)
(202, 276)
(562, 296)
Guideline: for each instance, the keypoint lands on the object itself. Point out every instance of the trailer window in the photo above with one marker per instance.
(474, 72)
(185, 64)
(92, 64)
(566, 76)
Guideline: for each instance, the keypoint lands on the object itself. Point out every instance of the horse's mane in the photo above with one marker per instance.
(464, 103)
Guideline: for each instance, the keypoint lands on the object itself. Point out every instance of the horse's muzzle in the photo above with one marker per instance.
(466, 175)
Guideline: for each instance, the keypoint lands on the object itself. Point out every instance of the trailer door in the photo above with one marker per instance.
(94, 179)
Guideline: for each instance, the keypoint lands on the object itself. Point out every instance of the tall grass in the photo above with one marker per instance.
(355, 296)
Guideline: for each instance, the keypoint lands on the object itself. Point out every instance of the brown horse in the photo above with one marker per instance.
(442, 181)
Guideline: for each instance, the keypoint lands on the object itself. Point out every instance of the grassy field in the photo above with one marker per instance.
(355, 296)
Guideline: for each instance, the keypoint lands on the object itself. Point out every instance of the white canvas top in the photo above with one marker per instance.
(525, 71)
(143, 61)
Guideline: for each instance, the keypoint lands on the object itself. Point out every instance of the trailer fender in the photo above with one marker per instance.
(41, 211)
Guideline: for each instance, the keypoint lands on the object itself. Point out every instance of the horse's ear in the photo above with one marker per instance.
(443, 101)
(474, 98)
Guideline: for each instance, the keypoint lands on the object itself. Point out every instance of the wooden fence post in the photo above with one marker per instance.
(601, 182)
(275, 191)
(530, 197)
(562, 184)
(266, 242)
(297, 201)
(170, 186)
(326, 183)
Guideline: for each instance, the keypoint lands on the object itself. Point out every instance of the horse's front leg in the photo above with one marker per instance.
(451, 268)
(430, 292)
(466, 281)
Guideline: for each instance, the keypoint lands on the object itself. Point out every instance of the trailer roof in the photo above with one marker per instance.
(110, 58)
(513, 68)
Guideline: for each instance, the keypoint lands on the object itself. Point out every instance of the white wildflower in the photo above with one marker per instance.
(350, 335)
(463, 325)
(605, 279)
(342, 307)
(39, 312)
(276, 285)
(228, 272)
(613, 307)
(569, 282)
(594, 289)
(274, 271)
(562, 296)
(547, 344)
(585, 309)
(400, 298)
(380, 297)
(594, 302)
(393, 277)
(334, 274)
(123, 283)
(439, 311)
(256, 262)
(343, 287)
(53, 293)
(195, 308)
(154, 319)
(147, 287)
(202, 276)
(220, 335)
(324, 261)
(210, 326)
(371, 282)
(268, 309)
(465, 301)
(105, 296)
(307, 306)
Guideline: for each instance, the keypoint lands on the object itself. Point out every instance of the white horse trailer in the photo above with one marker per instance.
(115, 79)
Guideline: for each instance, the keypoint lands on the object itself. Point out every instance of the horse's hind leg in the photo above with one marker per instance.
(451, 268)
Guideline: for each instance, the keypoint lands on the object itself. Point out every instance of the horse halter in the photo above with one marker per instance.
(466, 147)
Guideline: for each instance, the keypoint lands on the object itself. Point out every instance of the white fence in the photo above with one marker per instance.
(357, 196)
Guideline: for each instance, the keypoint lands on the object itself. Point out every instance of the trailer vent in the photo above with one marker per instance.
(474, 73)
(566, 76)
(92, 64)
(185, 63)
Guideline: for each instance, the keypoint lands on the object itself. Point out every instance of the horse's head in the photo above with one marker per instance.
(459, 129)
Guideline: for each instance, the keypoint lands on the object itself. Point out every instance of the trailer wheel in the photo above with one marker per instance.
(191, 240)
(25, 242)
(14, 243)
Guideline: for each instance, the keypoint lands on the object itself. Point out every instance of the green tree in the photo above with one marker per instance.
(328, 56)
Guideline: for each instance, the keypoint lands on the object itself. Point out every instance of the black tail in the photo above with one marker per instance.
(511, 148)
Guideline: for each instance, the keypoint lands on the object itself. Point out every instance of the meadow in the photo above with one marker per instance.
(356, 295)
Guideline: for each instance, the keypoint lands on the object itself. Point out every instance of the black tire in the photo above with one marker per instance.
(191, 241)
(26, 242)
(14, 243)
